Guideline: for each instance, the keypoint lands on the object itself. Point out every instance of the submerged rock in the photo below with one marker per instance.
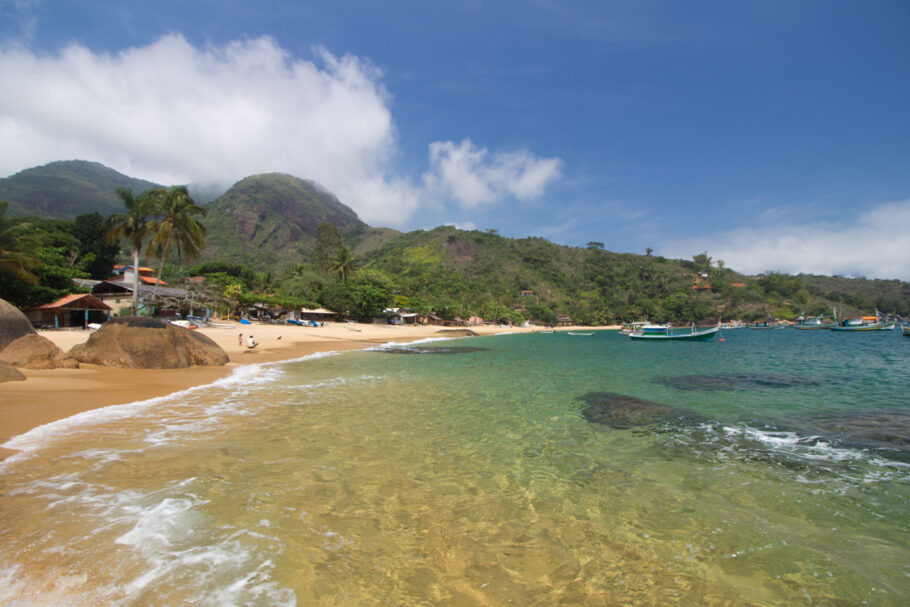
(622, 411)
(147, 343)
(36, 352)
(734, 381)
(10, 373)
(880, 429)
(457, 332)
(13, 324)
(425, 350)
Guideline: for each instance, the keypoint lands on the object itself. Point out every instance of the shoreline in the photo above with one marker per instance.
(50, 395)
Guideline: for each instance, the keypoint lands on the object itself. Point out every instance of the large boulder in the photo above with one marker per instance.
(146, 343)
(13, 324)
(35, 352)
(10, 373)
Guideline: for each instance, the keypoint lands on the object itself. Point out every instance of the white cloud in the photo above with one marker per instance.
(475, 178)
(874, 245)
(173, 113)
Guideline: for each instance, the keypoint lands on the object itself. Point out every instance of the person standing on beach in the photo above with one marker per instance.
(240, 340)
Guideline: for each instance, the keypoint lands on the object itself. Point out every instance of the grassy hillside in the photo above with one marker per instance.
(66, 189)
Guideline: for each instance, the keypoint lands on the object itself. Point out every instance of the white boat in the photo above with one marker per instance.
(583, 334)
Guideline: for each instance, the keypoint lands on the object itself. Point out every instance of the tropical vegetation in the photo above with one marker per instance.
(275, 241)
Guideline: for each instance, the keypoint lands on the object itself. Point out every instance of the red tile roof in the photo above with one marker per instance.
(90, 302)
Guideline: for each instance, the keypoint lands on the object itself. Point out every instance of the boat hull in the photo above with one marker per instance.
(815, 327)
(706, 335)
(887, 326)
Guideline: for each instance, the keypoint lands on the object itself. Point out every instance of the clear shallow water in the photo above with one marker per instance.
(773, 470)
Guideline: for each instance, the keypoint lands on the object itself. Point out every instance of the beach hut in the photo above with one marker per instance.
(76, 310)
(430, 319)
(317, 314)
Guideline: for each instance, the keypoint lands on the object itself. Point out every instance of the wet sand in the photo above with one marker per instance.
(49, 395)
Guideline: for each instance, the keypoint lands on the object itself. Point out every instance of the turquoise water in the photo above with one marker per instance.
(772, 468)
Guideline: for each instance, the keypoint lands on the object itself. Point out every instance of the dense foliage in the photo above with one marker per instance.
(275, 241)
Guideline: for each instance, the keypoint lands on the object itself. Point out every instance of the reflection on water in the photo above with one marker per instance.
(366, 479)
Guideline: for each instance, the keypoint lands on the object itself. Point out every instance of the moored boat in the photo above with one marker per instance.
(665, 332)
(864, 323)
(768, 324)
(905, 330)
(580, 333)
(811, 324)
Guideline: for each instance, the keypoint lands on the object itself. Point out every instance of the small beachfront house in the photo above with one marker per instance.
(318, 314)
(400, 316)
(118, 294)
(76, 310)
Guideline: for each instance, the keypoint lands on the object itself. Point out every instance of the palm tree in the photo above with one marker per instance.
(345, 265)
(177, 226)
(135, 225)
(15, 259)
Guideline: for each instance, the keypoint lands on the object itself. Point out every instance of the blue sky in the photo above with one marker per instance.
(773, 135)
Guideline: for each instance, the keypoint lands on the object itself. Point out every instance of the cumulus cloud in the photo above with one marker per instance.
(173, 113)
(874, 245)
(475, 178)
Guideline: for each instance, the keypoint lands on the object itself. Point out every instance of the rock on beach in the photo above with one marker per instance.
(146, 343)
(33, 351)
(13, 324)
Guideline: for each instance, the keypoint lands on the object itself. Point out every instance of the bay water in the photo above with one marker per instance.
(770, 468)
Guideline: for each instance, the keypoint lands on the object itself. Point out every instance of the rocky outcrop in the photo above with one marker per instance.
(146, 343)
(10, 373)
(13, 324)
(36, 352)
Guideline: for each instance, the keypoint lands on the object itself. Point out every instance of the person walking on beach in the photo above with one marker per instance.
(251, 343)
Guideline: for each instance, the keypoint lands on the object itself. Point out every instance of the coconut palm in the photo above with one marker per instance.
(176, 226)
(345, 265)
(134, 225)
(15, 259)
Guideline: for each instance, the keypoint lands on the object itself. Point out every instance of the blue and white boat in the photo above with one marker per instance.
(865, 323)
(666, 332)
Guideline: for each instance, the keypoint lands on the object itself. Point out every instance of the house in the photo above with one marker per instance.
(118, 294)
(400, 316)
(430, 319)
(76, 310)
(564, 319)
(146, 275)
(318, 314)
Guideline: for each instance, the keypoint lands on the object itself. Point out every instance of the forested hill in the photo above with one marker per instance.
(263, 232)
(68, 188)
(269, 222)
(455, 269)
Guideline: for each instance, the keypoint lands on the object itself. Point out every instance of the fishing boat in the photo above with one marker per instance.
(768, 324)
(812, 324)
(582, 334)
(665, 332)
(905, 330)
(865, 323)
(633, 327)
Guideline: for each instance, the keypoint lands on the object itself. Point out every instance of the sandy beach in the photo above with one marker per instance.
(50, 395)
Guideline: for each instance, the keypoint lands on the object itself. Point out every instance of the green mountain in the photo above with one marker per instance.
(269, 221)
(68, 188)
